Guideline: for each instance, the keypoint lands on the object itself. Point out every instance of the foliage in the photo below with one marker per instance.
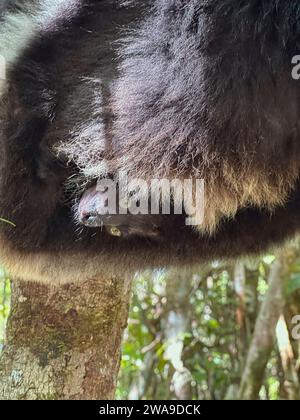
(217, 338)
(4, 304)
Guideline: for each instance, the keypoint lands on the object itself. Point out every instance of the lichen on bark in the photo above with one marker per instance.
(64, 343)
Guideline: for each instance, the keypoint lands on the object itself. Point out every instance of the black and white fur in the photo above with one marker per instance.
(166, 88)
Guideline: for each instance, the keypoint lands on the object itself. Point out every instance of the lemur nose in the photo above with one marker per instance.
(90, 219)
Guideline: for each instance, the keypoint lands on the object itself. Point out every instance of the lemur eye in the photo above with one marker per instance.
(114, 231)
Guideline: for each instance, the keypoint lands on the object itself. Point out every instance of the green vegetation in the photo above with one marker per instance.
(4, 304)
(215, 311)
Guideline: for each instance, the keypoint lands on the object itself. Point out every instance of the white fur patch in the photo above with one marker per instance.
(20, 27)
(16, 32)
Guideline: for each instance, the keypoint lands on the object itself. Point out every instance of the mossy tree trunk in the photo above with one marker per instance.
(64, 343)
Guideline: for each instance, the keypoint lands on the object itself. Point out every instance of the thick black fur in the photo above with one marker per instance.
(65, 90)
(212, 79)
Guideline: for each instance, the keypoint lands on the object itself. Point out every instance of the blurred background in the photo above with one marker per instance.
(220, 331)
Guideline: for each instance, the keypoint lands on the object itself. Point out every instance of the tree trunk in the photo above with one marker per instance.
(64, 343)
(176, 322)
(265, 328)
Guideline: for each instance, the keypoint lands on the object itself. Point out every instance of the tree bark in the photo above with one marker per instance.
(64, 343)
(265, 327)
(176, 322)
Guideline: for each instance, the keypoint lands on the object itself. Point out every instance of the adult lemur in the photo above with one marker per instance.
(164, 88)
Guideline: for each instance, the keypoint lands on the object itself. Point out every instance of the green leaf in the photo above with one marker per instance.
(268, 259)
(293, 284)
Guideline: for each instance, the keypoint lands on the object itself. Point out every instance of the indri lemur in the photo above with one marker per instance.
(162, 88)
